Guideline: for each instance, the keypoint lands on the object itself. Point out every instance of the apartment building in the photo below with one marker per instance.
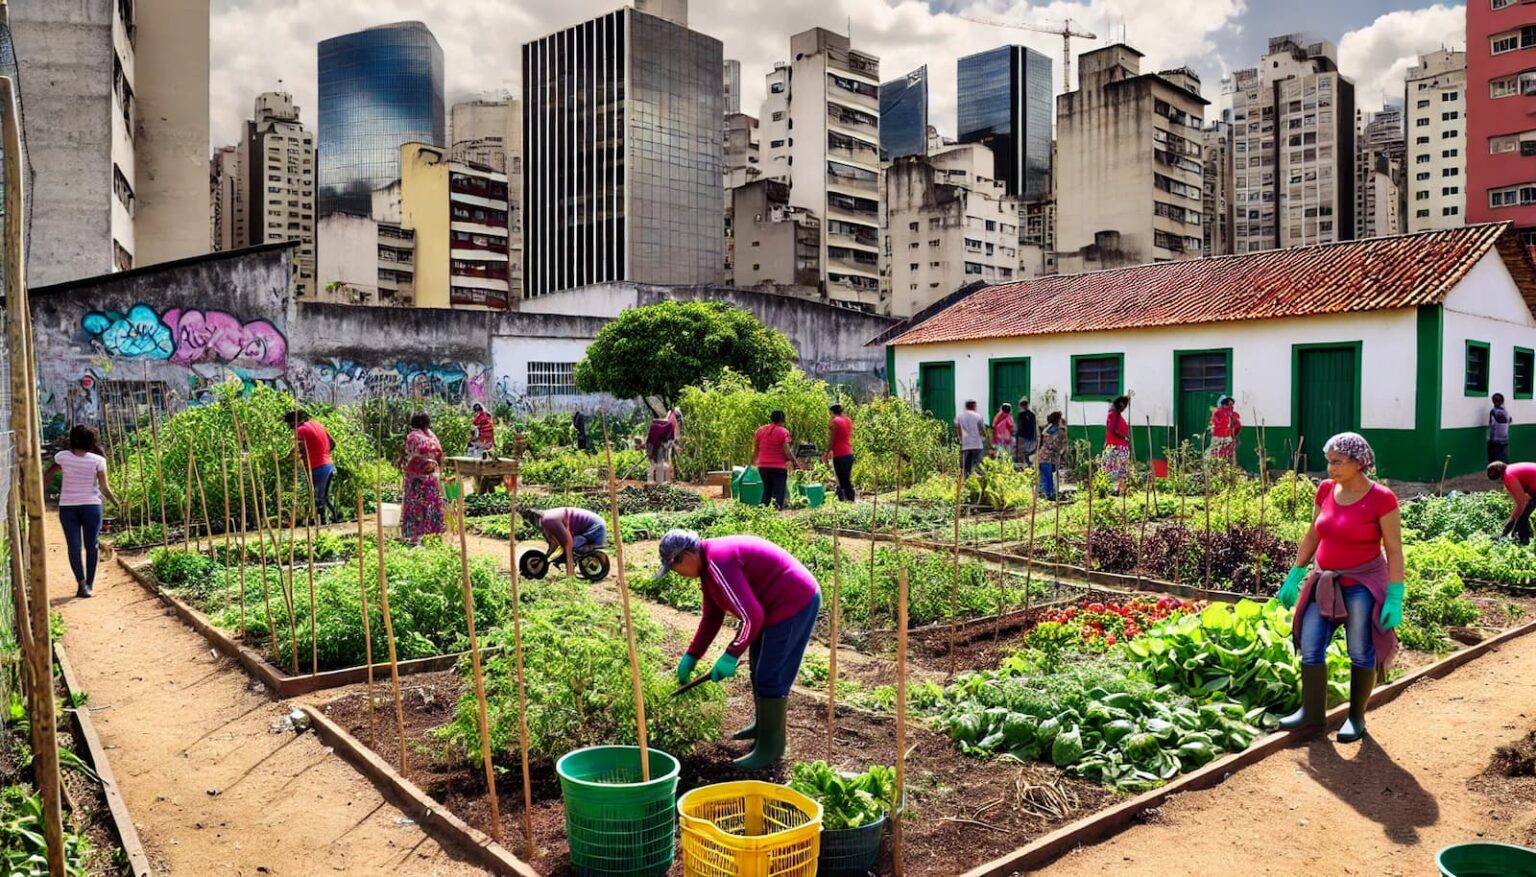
(458, 215)
(1217, 188)
(1380, 173)
(1004, 101)
(277, 169)
(1501, 114)
(489, 133)
(1435, 102)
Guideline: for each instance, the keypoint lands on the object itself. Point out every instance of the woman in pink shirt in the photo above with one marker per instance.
(773, 456)
(1002, 432)
(84, 468)
(1116, 460)
(777, 600)
(1355, 584)
(1520, 480)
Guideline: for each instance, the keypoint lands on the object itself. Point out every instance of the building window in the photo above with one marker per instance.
(1449, 115)
(1422, 175)
(1450, 190)
(776, 88)
(1525, 373)
(1097, 377)
(1509, 196)
(1448, 96)
(551, 378)
(778, 115)
(1449, 134)
(1421, 214)
(1449, 211)
(1477, 368)
(1421, 159)
(1449, 153)
(1421, 122)
(1500, 4)
(1450, 172)
(1421, 195)
(1421, 140)
(1423, 104)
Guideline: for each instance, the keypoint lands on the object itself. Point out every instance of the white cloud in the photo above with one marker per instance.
(1378, 55)
(255, 43)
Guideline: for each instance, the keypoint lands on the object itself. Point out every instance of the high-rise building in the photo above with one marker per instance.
(1005, 102)
(224, 195)
(1128, 164)
(1216, 205)
(1379, 173)
(821, 133)
(1501, 114)
(949, 223)
(742, 166)
(489, 133)
(1435, 194)
(775, 242)
(277, 166)
(731, 83)
(1294, 148)
(117, 97)
(904, 115)
(622, 155)
(379, 89)
(457, 214)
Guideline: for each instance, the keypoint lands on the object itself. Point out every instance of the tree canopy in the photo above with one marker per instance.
(659, 349)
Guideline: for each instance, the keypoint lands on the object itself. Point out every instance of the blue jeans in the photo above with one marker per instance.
(775, 656)
(1317, 632)
(590, 539)
(320, 477)
(1048, 480)
(82, 524)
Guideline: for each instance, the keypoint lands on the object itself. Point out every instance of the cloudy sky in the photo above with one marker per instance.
(257, 43)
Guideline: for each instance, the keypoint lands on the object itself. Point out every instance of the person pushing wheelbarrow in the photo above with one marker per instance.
(777, 600)
(575, 531)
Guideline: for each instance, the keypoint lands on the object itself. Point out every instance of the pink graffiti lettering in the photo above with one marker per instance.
(218, 337)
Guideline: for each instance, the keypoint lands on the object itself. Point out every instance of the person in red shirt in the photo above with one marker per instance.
(840, 452)
(1356, 537)
(1226, 426)
(485, 429)
(774, 457)
(1520, 480)
(1116, 459)
(312, 445)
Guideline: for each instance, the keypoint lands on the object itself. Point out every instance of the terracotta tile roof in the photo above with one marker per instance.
(1377, 274)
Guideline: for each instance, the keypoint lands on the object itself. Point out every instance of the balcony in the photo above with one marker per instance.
(851, 149)
(857, 94)
(853, 120)
(852, 178)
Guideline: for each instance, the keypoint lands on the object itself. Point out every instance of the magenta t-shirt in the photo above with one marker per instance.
(1350, 535)
(752, 579)
(1523, 474)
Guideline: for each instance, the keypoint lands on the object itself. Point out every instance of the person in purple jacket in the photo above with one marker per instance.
(777, 600)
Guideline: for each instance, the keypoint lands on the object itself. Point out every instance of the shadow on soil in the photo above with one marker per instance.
(1375, 785)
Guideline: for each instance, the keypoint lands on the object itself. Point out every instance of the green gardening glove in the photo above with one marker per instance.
(724, 668)
(1392, 608)
(685, 667)
(1290, 592)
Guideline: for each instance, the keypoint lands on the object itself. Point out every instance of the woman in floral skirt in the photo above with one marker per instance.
(1116, 460)
(423, 511)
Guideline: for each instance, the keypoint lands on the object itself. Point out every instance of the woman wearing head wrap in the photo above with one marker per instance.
(775, 597)
(1225, 427)
(1354, 584)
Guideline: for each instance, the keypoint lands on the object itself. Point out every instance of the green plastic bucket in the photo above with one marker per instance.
(1486, 860)
(850, 852)
(749, 490)
(815, 494)
(736, 473)
(616, 824)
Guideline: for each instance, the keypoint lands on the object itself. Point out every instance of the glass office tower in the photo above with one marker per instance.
(904, 115)
(1005, 102)
(379, 88)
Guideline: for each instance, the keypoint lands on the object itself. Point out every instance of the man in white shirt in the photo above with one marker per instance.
(971, 430)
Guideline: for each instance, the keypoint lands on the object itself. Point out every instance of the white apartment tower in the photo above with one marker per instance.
(223, 191)
(277, 160)
(1216, 230)
(820, 131)
(489, 133)
(1379, 174)
(1293, 148)
(1436, 104)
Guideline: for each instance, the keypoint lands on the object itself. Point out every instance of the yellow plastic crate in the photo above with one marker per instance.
(749, 829)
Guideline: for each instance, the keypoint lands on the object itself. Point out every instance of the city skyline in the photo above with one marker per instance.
(1377, 43)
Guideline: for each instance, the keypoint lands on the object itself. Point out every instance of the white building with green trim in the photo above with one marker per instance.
(1404, 339)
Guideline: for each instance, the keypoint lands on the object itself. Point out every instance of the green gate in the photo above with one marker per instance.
(936, 390)
(1203, 376)
(1326, 397)
(1009, 382)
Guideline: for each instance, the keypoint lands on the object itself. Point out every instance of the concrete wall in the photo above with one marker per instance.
(171, 142)
(348, 254)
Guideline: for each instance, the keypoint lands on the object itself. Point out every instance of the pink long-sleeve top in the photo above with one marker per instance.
(752, 579)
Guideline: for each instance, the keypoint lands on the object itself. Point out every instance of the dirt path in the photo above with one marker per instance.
(212, 789)
(1384, 807)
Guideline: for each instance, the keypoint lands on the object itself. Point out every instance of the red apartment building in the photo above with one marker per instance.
(1501, 114)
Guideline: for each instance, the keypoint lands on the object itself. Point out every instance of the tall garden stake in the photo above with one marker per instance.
(629, 626)
(389, 624)
(154, 437)
(897, 848)
(474, 662)
(202, 501)
(1296, 477)
(874, 523)
(1179, 461)
(954, 585)
(258, 501)
(186, 512)
(362, 593)
(517, 663)
(1002, 570)
(1443, 471)
(143, 476)
(1029, 548)
(1205, 472)
(1093, 487)
(286, 582)
(1258, 559)
(311, 531)
(224, 484)
(837, 587)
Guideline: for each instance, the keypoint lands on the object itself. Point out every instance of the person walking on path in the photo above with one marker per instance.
(1498, 431)
(312, 445)
(1520, 480)
(575, 531)
(1116, 460)
(1026, 436)
(774, 456)
(1357, 582)
(777, 600)
(422, 514)
(1002, 433)
(1226, 425)
(1053, 444)
(84, 483)
(971, 430)
(840, 452)
(660, 441)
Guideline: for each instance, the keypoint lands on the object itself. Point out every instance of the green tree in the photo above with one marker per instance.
(659, 349)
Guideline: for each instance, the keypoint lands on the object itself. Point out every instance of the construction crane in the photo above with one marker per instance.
(1064, 30)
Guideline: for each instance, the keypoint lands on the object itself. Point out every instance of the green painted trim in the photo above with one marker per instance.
(890, 368)
(1530, 373)
(1429, 376)
(1120, 388)
(1466, 371)
(1178, 392)
(993, 403)
(955, 402)
(1314, 453)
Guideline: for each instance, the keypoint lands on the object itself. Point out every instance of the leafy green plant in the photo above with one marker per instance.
(24, 848)
(848, 800)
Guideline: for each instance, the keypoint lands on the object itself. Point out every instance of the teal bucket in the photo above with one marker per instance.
(749, 489)
(617, 825)
(1486, 860)
(815, 494)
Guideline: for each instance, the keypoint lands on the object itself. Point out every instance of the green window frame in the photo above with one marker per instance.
(1525, 373)
(1095, 393)
(1477, 366)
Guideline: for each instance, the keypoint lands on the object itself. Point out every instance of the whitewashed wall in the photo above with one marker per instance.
(510, 356)
(1485, 306)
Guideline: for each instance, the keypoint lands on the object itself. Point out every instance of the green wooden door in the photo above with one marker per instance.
(1010, 383)
(936, 390)
(1327, 393)
(1203, 378)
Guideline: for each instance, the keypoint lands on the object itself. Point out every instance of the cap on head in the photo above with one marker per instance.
(673, 545)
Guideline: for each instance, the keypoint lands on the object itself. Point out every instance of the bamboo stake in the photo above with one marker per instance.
(874, 522)
(287, 581)
(1088, 527)
(837, 584)
(260, 503)
(954, 586)
(898, 859)
(1029, 548)
(1002, 570)
(143, 476)
(474, 661)
(629, 627)
(362, 590)
(311, 530)
(517, 662)
(1205, 470)
(186, 514)
(240, 538)
(1258, 575)
(1178, 564)
(389, 625)
(1443, 471)
(1146, 509)
(154, 433)
(1296, 476)
(202, 498)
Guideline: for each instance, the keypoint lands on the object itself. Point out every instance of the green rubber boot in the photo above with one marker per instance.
(747, 733)
(772, 731)
(1314, 700)
(1362, 680)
